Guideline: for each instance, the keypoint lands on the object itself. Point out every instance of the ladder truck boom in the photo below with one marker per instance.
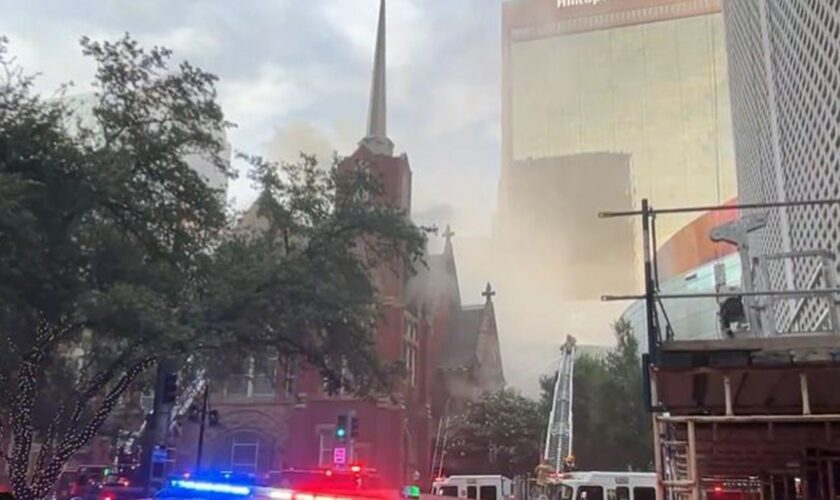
(558, 436)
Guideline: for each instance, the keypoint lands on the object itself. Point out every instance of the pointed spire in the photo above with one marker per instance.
(377, 131)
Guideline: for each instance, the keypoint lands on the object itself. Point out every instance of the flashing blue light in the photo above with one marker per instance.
(209, 487)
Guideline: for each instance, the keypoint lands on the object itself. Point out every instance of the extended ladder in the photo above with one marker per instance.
(558, 436)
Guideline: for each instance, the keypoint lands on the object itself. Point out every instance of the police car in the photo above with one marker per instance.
(291, 485)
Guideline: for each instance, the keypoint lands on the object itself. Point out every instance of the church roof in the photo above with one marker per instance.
(462, 344)
(437, 278)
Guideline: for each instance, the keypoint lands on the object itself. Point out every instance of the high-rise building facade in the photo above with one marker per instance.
(552, 205)
(784, 59)
(647, 78)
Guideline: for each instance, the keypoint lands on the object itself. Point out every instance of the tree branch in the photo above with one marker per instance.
(44, 479)
(3, 426)
(46, 336)
(21, 419)
(47, 444)
(99, 381)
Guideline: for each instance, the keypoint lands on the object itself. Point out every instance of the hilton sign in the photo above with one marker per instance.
(575, 3)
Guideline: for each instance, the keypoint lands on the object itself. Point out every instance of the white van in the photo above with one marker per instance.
(606, 486)
(474, 487)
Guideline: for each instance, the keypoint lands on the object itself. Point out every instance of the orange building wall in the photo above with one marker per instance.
(691, 247)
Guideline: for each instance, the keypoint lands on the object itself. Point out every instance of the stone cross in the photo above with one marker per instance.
(488, 292)
(449, 233)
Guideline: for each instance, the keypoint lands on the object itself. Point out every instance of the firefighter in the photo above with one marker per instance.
(542, 472)
(569, 463)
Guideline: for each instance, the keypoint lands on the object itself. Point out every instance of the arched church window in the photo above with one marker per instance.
(410, 344)
(245, 452)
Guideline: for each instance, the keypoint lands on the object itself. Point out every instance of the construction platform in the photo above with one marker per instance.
(757, 410)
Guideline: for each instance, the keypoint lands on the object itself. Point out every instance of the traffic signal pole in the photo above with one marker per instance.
(158, 421)
(202, 425)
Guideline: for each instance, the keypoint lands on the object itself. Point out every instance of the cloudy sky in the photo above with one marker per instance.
(295, 75)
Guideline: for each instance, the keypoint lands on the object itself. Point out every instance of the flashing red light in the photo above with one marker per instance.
(328, 473)
(718, 489)
(355, 468)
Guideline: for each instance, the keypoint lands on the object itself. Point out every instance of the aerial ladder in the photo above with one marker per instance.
(558, 437)
(192, 389)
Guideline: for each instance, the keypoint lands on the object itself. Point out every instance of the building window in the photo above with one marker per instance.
(254, 377)
(263, 375)
(342, 371)
(290, 373)
(325, 446)
(236, 384)
(410, 349)
(244, 453)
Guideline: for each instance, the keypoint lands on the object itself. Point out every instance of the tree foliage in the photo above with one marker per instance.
(115, 254)
(499, 434)
(299, 282)
(612, 430)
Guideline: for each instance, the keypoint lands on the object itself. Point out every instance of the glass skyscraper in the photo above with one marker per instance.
(647, 78)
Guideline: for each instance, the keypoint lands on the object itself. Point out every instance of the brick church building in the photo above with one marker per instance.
(275, 414)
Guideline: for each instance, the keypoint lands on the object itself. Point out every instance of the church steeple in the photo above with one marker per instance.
(376, 139)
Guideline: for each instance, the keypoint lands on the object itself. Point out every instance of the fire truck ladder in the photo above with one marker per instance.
(558, 436)
(194, 387)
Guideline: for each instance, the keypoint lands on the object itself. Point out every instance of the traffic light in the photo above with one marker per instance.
(354, 427)
(170, 388)
(341, 428)
(213, 417)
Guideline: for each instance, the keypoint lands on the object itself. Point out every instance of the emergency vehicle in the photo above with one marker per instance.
(478, 487)
(603, 486)
(353, 483)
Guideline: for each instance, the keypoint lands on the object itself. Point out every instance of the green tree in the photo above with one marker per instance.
(300, 283)
(498, 434)
(626, 425)
(588, 447)
(611, 426)
(115, 254)
(547, 393)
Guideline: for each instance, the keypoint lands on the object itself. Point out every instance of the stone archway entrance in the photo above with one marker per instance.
(244, 451)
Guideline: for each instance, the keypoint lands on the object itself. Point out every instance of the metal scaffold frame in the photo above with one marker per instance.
(679, 449)
(780, 437)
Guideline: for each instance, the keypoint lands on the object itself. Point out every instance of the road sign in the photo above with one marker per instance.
(339, 455)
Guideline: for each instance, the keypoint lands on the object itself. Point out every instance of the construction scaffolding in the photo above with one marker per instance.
(758, 422)
(755, 411)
